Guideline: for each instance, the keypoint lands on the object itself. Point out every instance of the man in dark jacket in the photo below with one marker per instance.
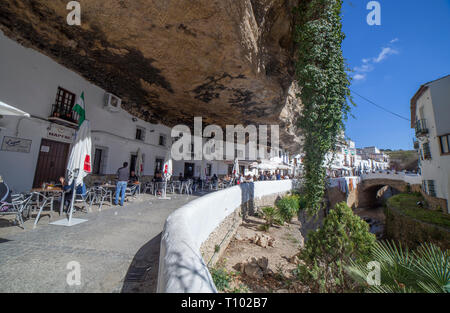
(122, 181)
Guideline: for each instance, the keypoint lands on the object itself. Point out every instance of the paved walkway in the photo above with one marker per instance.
(117, 249)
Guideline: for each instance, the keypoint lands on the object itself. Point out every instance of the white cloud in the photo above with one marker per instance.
(368, 64)
(365, 68)
(359, 77)
(385, 52)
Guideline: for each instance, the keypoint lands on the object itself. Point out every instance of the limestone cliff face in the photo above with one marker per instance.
(230, 61)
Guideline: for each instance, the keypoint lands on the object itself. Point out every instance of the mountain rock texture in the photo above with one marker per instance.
(230, 61)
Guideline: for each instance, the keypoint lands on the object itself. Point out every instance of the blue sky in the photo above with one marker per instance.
(390, 62)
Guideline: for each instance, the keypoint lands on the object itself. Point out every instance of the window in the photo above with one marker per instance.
(426, 151)
(431, 188)
(64, 102)
(140, 133)
(162, 140)
(208, 169)
(445, 144)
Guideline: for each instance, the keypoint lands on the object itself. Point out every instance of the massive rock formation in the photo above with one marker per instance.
(230, 61)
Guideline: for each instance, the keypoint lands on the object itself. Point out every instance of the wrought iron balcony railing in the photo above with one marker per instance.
(421, 128)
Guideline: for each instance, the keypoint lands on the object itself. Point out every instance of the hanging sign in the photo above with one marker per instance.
(61, 133)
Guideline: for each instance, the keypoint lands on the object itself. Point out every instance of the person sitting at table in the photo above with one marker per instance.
(133, 178)
(68, 189)
(133, 181)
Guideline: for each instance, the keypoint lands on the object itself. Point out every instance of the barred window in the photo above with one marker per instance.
(426, 151)
(431, 188)
(445, 144)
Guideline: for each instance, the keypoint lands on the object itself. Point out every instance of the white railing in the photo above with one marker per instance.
(411, 179)
(181, 266)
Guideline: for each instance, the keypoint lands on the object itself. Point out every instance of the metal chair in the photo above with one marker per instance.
(18, 204)
(41, 202)
(99, 196)
(176, 186)
(159, 187)
(149, 186)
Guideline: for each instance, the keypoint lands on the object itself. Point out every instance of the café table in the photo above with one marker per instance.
(52, 190)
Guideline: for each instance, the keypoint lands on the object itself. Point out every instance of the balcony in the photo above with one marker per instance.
(421, 128)
(64, 115)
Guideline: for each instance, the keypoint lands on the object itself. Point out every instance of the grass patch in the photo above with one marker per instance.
(407, 204)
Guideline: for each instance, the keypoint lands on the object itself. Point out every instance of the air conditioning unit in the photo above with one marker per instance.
(112, 102)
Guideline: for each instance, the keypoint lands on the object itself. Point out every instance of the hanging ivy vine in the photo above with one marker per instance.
(321, 73)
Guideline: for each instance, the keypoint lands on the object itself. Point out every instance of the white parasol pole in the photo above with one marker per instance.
(74, 190)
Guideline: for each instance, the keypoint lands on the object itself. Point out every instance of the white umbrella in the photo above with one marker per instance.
(6, 109)
(139, 163)
(236, 168)
(79, 165)
(168, 168)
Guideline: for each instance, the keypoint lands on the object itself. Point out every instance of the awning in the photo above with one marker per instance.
(6, 109)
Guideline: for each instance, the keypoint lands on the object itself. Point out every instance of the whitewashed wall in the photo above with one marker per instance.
(181, 267)
(29, 81)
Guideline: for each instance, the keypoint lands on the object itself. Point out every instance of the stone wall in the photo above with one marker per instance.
(182, 268)
(435, 203)
(412, 232)
(213, 248)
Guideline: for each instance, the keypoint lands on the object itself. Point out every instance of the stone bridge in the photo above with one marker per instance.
(366, 192)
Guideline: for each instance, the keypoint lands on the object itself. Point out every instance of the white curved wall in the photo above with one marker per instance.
(181, 267)
(407, 178)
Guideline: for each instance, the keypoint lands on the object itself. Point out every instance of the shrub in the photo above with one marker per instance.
(343, 237)
(425, 270)
(221, 278)
(288, 207)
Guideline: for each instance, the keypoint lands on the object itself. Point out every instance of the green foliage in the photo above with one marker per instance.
(270, 214)
(407, 204)
(221, 278)
(426, 270)
(288, 207)
(343, 237)
(321, 73)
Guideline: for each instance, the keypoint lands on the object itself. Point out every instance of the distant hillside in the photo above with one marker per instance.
(404, 160)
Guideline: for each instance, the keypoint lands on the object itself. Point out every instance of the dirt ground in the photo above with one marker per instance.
(287, 243)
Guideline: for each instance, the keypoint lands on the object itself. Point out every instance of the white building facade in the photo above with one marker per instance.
(430, 116)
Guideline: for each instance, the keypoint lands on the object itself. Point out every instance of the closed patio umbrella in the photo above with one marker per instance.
(168, 171)
(6, 109)
(79, 165)
(139, 163)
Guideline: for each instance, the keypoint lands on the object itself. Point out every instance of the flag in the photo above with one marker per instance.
(80, 109)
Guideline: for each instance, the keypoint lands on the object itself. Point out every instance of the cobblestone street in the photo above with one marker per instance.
(117, 249)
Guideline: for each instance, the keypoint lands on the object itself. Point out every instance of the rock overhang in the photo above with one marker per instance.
(231, 62)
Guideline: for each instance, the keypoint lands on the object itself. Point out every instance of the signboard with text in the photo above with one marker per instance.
(61, 133)
(13, 144)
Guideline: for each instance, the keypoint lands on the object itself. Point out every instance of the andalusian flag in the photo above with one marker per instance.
(80, 109)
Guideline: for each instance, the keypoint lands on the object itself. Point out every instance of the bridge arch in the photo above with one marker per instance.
(369, 191)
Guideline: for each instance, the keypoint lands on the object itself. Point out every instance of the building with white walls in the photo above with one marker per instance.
(430, 117)
(43, 88)
(36, 149)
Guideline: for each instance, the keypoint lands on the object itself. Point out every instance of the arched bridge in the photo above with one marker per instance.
(366, 193)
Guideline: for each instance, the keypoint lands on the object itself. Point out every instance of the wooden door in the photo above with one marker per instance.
(52, 162)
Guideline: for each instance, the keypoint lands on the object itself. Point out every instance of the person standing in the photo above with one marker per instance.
(122, 181)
